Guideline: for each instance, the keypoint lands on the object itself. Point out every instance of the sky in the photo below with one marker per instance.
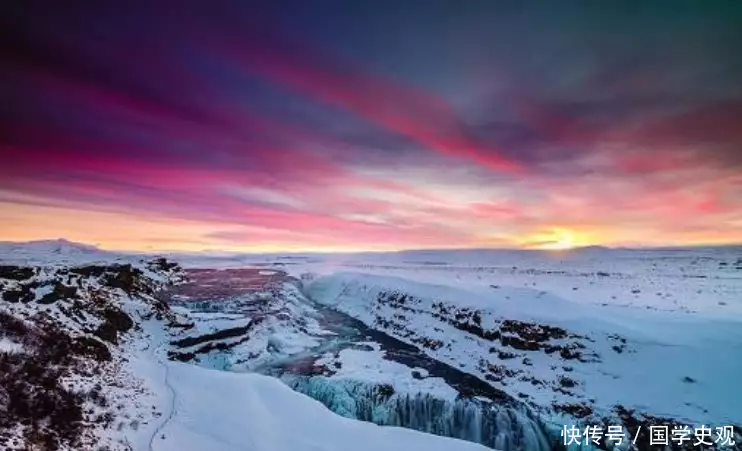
(371, 125)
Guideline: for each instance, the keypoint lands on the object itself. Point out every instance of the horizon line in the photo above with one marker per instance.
(230, 253)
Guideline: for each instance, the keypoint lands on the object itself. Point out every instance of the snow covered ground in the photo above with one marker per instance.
(582, 337)
(659, 330)
(668, 364)
(371, 366)
(142, 400)
(201, 409)
(218, 410)
(665, 323)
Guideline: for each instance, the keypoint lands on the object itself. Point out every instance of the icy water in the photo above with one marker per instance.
(351, 332)
(501, 423)
(481, 413)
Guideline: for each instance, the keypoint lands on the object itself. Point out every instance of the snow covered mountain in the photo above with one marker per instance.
(48, 251)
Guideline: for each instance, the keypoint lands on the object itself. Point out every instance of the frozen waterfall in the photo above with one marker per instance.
(506, 428)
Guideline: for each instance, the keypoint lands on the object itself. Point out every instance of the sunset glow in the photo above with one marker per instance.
(560, 239)
(363, 127)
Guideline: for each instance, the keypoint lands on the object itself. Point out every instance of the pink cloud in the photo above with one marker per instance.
(426, 119)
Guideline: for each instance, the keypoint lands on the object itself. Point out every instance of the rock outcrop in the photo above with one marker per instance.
(61, 327)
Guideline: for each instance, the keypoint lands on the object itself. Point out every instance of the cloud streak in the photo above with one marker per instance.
(254, 133)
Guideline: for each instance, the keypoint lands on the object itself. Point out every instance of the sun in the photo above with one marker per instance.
(564, 240)
(556, 239)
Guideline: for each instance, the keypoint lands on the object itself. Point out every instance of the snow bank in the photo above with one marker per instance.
(373, 367)
(258, 413)
(9, 346)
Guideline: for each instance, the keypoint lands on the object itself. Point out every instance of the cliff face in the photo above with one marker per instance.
(62, 328)
(571, 363)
